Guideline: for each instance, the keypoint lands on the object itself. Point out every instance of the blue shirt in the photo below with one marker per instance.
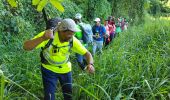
(99, 30)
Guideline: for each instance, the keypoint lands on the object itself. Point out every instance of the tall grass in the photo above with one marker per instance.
(134, 66)
(2, 85)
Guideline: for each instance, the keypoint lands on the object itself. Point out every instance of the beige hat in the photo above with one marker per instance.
(67, 24)
(78, 16)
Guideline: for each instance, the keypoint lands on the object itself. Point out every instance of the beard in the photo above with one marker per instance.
(67, 39)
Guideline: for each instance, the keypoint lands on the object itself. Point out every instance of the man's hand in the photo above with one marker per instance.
(31, 44)
(48, 34)
(90, 68)
(89, 60)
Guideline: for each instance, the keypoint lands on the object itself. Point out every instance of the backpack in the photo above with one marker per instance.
(53, 22)
(86, 33)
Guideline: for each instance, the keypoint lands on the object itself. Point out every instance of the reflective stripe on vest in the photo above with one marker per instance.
(52, 62)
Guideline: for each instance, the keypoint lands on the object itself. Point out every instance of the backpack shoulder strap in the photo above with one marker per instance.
(48, 44)
(81, 27)
(70, 44)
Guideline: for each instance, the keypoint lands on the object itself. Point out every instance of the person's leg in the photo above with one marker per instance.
(80, 61)
(49, 82)
(100, 46)
(84, 58)
(66, 83)
(97, 47)
(107, 41)
(94, 47)
(111, 36)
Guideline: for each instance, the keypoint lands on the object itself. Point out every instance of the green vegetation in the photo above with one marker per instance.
(134, 66)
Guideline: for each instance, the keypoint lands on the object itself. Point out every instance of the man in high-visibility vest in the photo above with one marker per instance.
(57, 65)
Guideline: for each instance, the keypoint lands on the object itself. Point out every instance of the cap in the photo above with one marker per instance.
(53, 22)
(78, 16)
(110, 17)
(97, 20)
(67, 24)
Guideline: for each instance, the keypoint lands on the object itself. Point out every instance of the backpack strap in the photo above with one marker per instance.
(82, 29)
(70, 44)
(48, 44)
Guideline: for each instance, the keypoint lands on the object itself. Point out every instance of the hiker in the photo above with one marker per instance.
(122, 24)
(86, 29)
(126, 24)
(99, 32)
(110, 20)
(80, 35)
(110, 30)
(118, 27)
(106, 25)
(113, 19)
(55, 64)
(112, 27)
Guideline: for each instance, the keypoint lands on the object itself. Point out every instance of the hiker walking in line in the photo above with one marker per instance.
(99, 32)
(79, 36)
(110, 20)
(56, 44)
(126, 24)
(106, 25)
(110, 30)
(84, 35)
(122, 24)
(118, 27)
(112, 27)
